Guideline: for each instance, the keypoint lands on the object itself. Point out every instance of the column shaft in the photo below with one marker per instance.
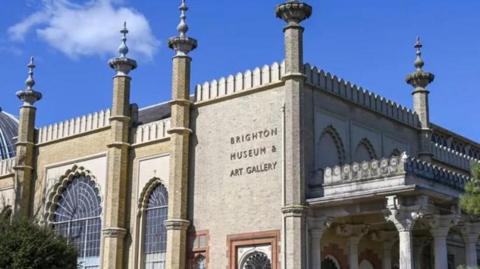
(353, 251)
(406, 254)
(471, 253)
(178, 223)
(440, 251)
(387, 255)
(315, 249)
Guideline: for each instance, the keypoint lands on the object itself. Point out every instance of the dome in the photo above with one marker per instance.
(8, 135)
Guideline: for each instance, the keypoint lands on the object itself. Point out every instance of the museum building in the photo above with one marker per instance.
(316, 173)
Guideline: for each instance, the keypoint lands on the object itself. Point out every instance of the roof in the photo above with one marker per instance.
(154, 113)
(8, 135)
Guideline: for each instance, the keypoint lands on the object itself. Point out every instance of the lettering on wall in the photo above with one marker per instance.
(257, 149)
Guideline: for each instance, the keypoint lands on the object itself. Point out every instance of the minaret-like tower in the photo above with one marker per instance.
(178, 223)
(114, 227)
(420, 80)
(25, 146)
(293, 13)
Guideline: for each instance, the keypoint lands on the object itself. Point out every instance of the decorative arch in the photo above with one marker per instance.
(152, 214)
(330, 262)
(256, 260)
(364, 150)
(332, 133)
(147, 191)
(74, 211)
(336, 254)
(62, 184)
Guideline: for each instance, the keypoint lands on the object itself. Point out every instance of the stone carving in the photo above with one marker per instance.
(332, 84)
(394, 166)
(405, 216)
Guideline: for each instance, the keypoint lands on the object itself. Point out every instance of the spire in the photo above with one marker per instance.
(419, 78)
(122, 64)
(419, 63)
(29, 96)
(123, 49)
(183, 26)
(182, 44)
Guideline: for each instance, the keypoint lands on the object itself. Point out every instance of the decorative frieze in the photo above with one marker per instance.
(394, 166)
(265, 75)
(452, 157)
(357, 95)
(74, 126)
(6, 166)
(152, 131)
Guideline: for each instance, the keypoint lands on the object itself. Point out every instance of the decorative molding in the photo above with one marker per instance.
(236, 241)
(60, 186)
(365, 142)
(265, 75)
(394, 166)
(151, 132)
(346, 90)
(452, 157)
(115, 232)
(147, 190)
(177, 224)
(74, 126)
(337, 139)
(6, 166)
(294, 210)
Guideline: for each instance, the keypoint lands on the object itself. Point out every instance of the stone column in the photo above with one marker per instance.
(294, 12)
(317, 226)
(470, 233)
(114, 226)
(404, 218)
(177, 222)
(354, 234)
(25, 147)
(387, 255)
(440, 226)
(420, 80)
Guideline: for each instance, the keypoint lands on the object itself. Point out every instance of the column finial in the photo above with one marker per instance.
(182, 44)
(29, 96)
(419, 78)
(293, 12)
(123, 49)
(122, 64)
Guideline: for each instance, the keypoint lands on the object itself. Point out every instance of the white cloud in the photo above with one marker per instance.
(90, 28)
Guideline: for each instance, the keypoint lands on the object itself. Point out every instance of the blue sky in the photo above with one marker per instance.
(367, 42)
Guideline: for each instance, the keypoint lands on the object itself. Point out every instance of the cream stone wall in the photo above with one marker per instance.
(7, 191)
(55, 158)
(226, 196)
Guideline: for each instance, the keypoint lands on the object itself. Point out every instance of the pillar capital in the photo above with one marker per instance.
(293, 12)
(405, 216)
(352, 230)
(318, 225)
(440, 224)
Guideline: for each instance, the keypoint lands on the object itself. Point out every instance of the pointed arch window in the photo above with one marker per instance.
(77, 217)
(155, 235)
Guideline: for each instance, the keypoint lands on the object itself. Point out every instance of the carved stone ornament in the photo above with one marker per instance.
(115, 232)
(294, 12)
(177, 224)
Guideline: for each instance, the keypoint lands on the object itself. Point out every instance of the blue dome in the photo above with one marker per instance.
(8, 135)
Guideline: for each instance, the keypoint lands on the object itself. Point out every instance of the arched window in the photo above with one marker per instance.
(365, 264)
(77, 217)
(330, 263)
(155, 235)
(256, 260)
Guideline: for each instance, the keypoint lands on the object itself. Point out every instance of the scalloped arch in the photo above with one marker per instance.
(61, 185)
(333, 133)
(365, 142)
(147, 190)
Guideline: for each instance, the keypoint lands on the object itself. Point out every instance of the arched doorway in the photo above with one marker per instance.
(365, 264)
(330, 263)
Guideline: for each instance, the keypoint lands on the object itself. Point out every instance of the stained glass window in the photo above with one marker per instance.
(155, 235)
(77, 217)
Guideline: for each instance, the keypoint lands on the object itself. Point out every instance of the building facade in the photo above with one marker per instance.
(282, 166)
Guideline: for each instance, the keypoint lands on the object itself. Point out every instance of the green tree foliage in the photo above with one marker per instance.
(470, 201)
(25, 245)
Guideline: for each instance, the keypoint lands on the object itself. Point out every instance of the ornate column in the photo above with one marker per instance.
(294, 12)
(440, 226)
(470, 233)
(25, 146)
(178, 223)
(114, 227)
(317, 226)
(420, 80)
(404, 218)
(354, 234)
